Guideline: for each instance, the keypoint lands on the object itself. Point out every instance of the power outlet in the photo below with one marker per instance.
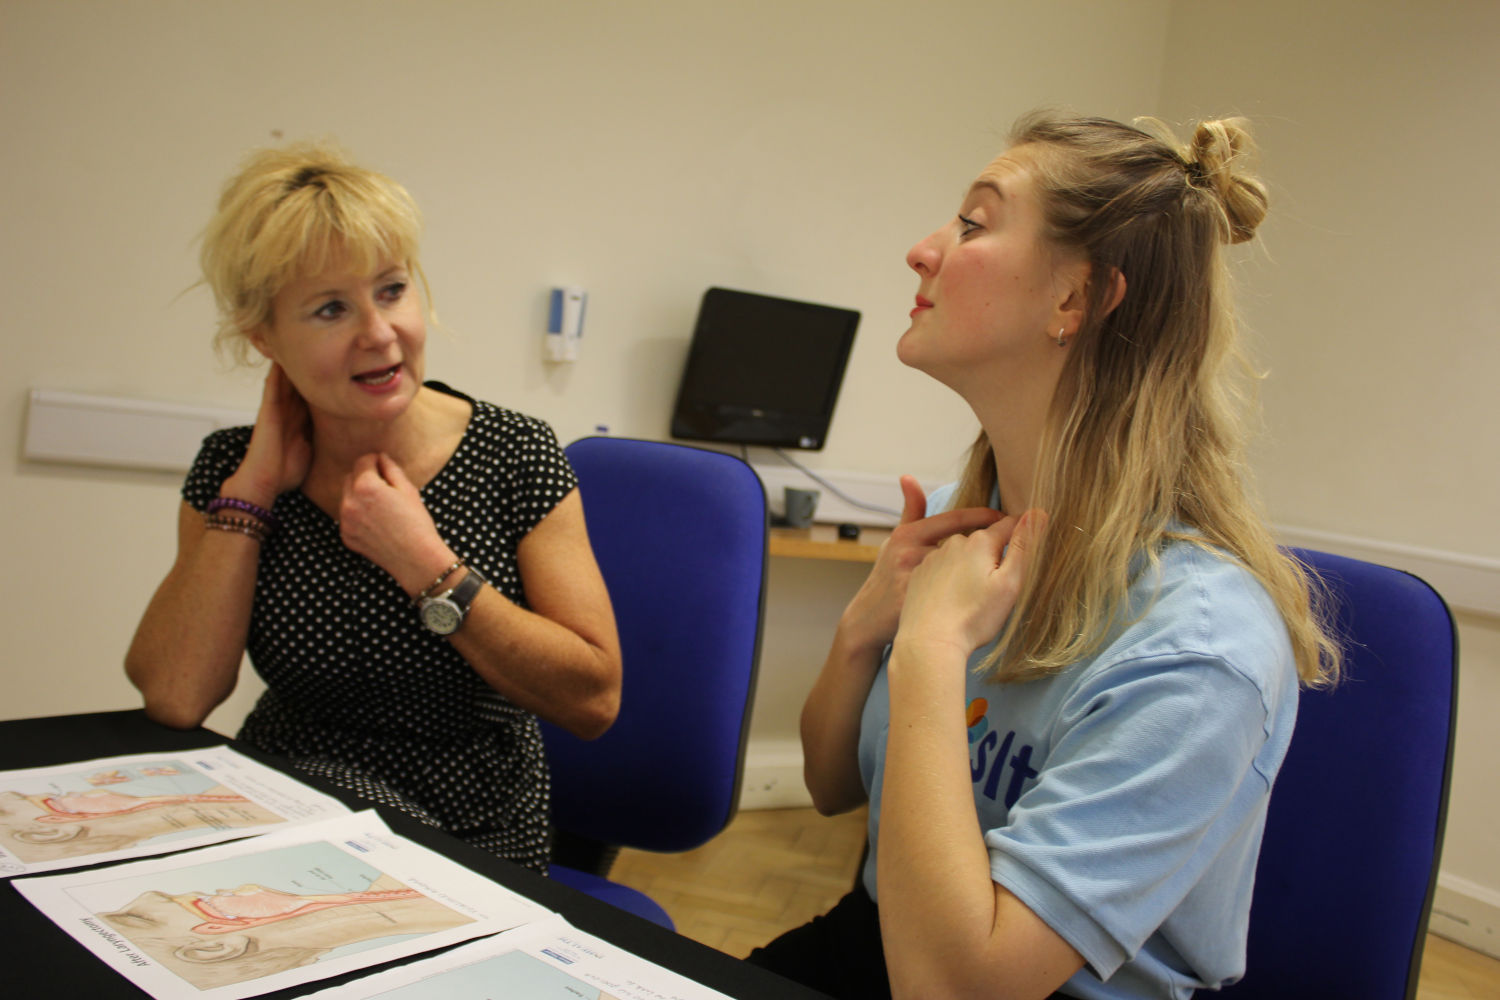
(773, 777)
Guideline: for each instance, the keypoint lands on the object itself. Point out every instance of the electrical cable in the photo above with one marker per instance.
(851, 501)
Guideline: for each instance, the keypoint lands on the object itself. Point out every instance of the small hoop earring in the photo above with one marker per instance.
(1062, 340)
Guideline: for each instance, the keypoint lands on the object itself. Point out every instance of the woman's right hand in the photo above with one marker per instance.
(280, 445)
(831, 714)
(870, 620)
(185, 657)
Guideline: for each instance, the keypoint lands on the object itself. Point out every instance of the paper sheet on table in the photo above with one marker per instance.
(114, 808)
(275, 911)
(547, 960)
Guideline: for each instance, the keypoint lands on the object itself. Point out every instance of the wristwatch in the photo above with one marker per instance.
(445, 613)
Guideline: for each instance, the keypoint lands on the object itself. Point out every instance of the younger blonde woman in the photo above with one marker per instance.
(1069, 681)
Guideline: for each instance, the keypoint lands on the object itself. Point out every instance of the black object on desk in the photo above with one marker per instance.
(48, 962)
(763, 370)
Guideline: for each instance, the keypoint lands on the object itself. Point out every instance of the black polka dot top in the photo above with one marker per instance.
(357, 689)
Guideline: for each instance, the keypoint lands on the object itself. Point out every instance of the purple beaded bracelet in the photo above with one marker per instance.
(260, 513)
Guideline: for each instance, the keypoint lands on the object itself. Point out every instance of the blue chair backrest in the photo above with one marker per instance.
(1347, 869)
(680, 536)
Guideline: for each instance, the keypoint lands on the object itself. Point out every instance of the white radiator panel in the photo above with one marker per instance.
(124, 433)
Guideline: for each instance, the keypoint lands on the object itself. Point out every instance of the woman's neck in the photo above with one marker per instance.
(338, 444)
(1015, 451)
(1015, 423)
(420, 440)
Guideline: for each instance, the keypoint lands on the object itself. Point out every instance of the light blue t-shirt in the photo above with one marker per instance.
(1123, 799)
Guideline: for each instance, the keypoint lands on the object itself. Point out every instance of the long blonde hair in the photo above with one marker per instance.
(1146, 432)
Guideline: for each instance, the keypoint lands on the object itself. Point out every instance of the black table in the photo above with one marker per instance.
(48, 962)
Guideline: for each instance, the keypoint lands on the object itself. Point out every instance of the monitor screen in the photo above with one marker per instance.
(762, 370)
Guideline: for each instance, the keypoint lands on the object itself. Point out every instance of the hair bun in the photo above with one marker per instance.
(1216, 160)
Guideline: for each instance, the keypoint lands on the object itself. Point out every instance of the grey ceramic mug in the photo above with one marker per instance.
(800, 505)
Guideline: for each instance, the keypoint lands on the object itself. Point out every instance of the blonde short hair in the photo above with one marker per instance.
(299, 210)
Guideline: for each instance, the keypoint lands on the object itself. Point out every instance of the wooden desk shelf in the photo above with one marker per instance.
(821, 541)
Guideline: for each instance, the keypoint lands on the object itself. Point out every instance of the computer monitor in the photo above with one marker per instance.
(763, 370)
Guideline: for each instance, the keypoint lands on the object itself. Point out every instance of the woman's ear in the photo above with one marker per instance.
(1116, 290)
(257, 335)
(1074, 308)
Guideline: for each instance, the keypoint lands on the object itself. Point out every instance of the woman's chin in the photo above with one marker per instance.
(906, 350)
(909, 352)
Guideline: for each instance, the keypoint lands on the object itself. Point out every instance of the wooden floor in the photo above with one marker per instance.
(772, 870)
(775, 869)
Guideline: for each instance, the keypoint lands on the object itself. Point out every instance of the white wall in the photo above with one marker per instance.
(791, 147)
(644, 151)
(1376, 300)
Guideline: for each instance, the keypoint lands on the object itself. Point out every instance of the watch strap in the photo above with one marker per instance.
(464, 592)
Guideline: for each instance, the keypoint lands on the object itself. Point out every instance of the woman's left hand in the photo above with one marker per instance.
(382, 517)
(961, 594)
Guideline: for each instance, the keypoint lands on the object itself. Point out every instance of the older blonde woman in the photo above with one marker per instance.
(407, 566)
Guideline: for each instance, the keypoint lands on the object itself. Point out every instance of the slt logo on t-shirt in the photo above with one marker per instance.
(990, 756)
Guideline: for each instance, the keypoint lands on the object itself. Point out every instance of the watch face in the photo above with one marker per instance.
(441, 616)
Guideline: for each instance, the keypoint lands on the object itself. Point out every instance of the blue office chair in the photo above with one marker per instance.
(1350, 858)
(680, 536)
